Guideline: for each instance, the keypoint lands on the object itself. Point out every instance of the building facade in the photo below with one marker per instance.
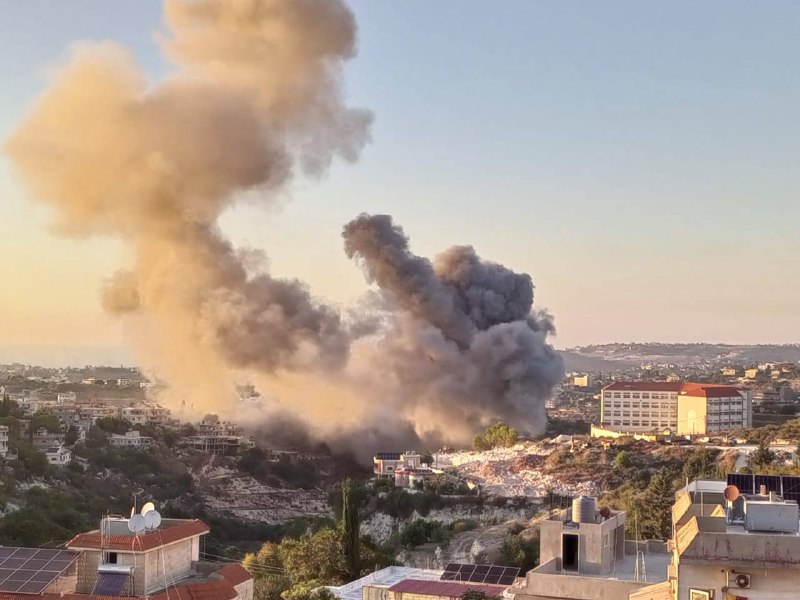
(683, 408)
(131, 439)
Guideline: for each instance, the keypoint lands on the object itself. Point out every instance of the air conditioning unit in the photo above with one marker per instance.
(738, 580)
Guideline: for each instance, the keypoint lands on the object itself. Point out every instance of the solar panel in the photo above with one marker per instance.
(791, 488)
(742, 481)
(31, 570)
(772, 483)
(508, 576)
(493, 574)
(450, 572)
(109, 584)
(388, 455)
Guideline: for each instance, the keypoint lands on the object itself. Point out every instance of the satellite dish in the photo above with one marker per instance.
(731, 493)
(147, 508)
(136, 524)
(152, 519)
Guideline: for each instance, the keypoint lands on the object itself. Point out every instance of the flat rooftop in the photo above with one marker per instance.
(385, 578)
(654, 569)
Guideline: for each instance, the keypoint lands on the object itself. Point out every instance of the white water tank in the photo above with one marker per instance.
(584, 509)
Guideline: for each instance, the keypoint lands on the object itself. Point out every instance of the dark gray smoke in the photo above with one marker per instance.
(463, 347)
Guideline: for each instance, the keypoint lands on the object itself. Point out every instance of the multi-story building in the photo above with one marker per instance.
(135, 415)
(682, 408)
(58, 456)
(386, 463)
(66, 398)
(584, 556)
(43, 439)
(98, 411)
(638, 406)
(3, 441)
(220, 445)
(131, 439)
(160, 562)
(747, 548)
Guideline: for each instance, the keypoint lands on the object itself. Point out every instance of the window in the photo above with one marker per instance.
(607, 540)
(111, 558)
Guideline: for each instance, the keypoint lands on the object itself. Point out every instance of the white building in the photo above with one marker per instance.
(135, 415)
(131, 439)
(386, 463)
(682, 408)
(58, 456)
(3, 441)
(145, 414)
(66, 398)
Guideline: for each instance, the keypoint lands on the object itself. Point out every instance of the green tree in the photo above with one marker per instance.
(113, 425)
(762, 456)
(351, 538)
(423, 531)
(71, 436)
(653, 508)
(318, 556)
(270, 578)
(46, 419)
(498, 435)
(623, 459)
(520, 552)
(701, 464)
(308, 590)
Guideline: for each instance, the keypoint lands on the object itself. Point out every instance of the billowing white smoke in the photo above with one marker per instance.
(255, 95)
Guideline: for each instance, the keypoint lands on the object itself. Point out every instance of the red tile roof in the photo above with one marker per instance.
(710, 390)
(142, 543)
(706, 390)
(235, 574)
(450, 589)
(208, 590)
(645, 386)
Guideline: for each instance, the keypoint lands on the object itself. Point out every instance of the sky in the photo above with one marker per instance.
(637, 159)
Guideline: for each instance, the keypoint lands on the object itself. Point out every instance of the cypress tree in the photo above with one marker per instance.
(350, 530)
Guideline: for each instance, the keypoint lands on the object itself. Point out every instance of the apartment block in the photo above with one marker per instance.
(682, 408)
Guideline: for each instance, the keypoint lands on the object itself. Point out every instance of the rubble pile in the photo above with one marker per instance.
(244, 498)
(515, 471)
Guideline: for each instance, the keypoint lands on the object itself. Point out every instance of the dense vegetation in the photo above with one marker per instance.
(498, 435)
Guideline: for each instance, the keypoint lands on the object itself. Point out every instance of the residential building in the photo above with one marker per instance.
(684, 408)
(386, 463)
(135, 415)
(220, 445)
(3, 441)
(751, 373)
(59, 456)
(584, 556)
(98, 411)
(212, 426)
(43, 439)
(157, 564)
(747, 548)
(66, 398)
(581, 380)
(130, 439)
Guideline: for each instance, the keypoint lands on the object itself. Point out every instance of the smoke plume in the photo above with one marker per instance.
(462, 343)
(254, 97)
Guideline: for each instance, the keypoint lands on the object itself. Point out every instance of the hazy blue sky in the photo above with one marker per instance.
(638, 159)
